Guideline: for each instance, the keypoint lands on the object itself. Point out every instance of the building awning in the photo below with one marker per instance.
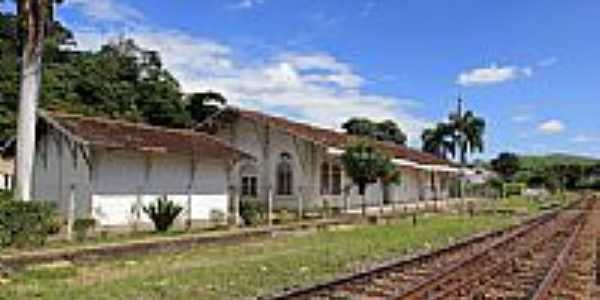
(404, 162)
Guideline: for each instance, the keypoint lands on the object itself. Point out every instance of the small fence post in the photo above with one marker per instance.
(137, 208)
(189, 209)
(270, 206)
(346, 199)
(236, 205)
(71, 212)
(300, 202)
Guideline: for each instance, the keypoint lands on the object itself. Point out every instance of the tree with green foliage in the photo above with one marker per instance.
(365, 164)
(438, 141)
(203, 105)
(468, 137)
(463, 132)
(387, 130)
(506, 165)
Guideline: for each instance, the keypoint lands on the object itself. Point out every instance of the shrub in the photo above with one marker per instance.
(55, 223)
(284, 216)
(25, 224)
(251, 212)
(82, 227)
(162, 213)
(217, 217)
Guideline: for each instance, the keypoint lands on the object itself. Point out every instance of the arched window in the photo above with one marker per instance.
(249, 180)
(325, 176)
(285, 176)
(331, 179)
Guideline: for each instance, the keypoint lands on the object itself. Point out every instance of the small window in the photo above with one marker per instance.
(249, 186)
(336, 179)
(249, 180)
(285, 176)
(331, 179)
(325, 175)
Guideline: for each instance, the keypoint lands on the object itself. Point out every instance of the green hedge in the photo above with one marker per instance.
(25, 224)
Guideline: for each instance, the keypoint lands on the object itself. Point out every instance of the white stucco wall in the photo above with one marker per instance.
(57, 168)
(307, 158)
(122, 177)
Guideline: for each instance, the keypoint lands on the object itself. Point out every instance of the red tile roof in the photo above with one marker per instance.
(332, 138)
(140, 137)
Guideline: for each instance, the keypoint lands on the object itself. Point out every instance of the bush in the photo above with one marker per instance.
(284, 216)
(251, 212)
(82, 227)
(25, 224)
(162, 213)
(217, 217)
(55, 223)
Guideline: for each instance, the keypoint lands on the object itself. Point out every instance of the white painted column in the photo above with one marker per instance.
(71, 212)
(235, 199)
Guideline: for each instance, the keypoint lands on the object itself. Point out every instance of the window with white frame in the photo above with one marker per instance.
(249, 180)
(331, 179)
(250, 186)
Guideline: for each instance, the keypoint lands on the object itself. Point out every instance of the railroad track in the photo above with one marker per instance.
(516, 263)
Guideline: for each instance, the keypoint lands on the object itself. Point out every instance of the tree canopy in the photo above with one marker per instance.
(121, 80)
(460, 135)
(506, 165)
(387, 130)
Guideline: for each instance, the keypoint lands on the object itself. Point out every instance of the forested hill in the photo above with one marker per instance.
(540, 161)
(121, 80)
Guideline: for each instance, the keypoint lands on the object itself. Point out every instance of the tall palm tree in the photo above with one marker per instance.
(468, 132)
(437, 140)
(34, 20)
(461, 135)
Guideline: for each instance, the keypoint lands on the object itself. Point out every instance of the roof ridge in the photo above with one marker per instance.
(61, 116)
(140, 125)
(426, 155)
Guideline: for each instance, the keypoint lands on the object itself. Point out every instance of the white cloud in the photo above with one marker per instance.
(551, 127)
(107, 10)
(493, 74)
(547, 62)
(585, 138)
(311, 87)
(522, 118)
(246, 4)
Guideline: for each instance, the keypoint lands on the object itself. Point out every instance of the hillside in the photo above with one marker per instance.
(536, 161)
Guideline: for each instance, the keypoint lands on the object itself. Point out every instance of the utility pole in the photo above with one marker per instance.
(459, 145)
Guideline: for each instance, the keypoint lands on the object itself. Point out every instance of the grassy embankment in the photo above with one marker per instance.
(251, 268)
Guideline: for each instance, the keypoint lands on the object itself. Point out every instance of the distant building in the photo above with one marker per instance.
(478, 175)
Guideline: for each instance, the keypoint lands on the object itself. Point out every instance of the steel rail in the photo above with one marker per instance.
(543, 290)
(529, 224)
(425, 288)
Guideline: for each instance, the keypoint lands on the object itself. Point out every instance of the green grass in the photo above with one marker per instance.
(247, 269)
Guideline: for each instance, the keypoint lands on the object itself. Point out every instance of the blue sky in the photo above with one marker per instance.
(529, 67)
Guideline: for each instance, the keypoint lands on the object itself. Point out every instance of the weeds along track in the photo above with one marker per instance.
(506, 264)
